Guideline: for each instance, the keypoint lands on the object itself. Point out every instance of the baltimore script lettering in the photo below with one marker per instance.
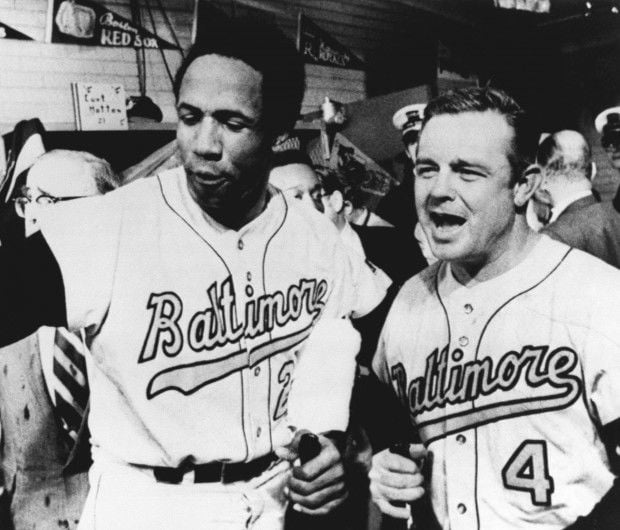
(440, 386)
(218, 324)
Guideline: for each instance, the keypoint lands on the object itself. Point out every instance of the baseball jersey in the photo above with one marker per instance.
(507, 382)
(194, 329)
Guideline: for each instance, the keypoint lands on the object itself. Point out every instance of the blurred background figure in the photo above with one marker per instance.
(28, 144)
(596, 228)
(292, 173)
(607, 124)
(335, 203)
(566, 186)
(408, 120)
(393, 251)
(62, 175)
(358, 213)
(43, 388)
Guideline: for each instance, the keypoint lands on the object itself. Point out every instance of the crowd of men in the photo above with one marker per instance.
(221, 346)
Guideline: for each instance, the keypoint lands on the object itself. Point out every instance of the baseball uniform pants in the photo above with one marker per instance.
(123, 497)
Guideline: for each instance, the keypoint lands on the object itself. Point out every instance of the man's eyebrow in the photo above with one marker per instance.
(187, 106)
(459, 163)
(218, 114)
(225, 114)
(295, 187)
(424, 161)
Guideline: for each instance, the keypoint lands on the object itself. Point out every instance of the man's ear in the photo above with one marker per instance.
(542, 196)
(527, 185)
(336, 200)
(348, 209)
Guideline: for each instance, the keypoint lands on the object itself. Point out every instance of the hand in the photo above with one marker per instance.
(318, 486)
(396, 478)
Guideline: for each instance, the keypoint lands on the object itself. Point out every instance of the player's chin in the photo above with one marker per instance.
(447, 250)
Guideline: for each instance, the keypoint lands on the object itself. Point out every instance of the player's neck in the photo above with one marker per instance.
(235, 217)
(517, 246)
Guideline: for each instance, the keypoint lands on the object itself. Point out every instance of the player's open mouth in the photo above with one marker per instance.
(446, 221)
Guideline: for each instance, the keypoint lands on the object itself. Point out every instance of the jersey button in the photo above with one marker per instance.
(460, 439)
(240, 244)
(249, 291)
(468, 308)
(258, 432)
(461, 508)
(249, 276)
(257, 371)
(463, 341)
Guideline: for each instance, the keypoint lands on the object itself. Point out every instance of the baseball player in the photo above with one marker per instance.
(201, 290)
(505, 353)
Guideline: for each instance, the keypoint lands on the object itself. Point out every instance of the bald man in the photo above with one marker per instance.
(43, 466)
(566, 162)
(61, 175)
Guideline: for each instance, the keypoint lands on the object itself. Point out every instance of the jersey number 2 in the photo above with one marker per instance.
(528, 470)
(285, 376)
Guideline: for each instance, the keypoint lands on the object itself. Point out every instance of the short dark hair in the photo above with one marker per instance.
(262, 46)
(288, 157)
(473, 99)
(334, 180)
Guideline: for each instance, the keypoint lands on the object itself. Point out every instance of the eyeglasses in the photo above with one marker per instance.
(42, 200)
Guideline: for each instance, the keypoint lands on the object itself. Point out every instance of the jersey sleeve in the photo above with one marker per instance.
(391, 338)
(84, 236)
(359, 286)
(379, 361)
(380, 364)
(601, 355)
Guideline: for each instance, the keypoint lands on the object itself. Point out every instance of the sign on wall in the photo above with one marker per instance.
(319, 47)
(7, 32)
(88, 23)
(99, 106)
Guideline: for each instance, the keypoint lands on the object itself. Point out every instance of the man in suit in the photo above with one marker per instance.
(566, 163)
(588, 225)
(43, 467)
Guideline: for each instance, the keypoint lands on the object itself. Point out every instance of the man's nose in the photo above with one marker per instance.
(443, 185)
(207, 140)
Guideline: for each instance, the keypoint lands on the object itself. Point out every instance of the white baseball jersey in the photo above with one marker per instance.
(507, 382)
(194, 329)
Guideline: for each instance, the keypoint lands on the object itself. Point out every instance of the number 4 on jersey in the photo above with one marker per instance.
(528, 470)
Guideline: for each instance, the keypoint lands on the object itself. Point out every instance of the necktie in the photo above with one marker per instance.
(70, 386)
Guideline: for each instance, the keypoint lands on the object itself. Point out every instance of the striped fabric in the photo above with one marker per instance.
(70, 386)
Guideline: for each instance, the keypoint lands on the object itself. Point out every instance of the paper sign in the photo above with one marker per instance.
(99, 106)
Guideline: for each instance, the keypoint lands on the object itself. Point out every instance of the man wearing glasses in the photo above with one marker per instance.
(62, 175)
(43, 392)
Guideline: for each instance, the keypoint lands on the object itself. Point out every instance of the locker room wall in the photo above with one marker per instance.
(35, 76)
